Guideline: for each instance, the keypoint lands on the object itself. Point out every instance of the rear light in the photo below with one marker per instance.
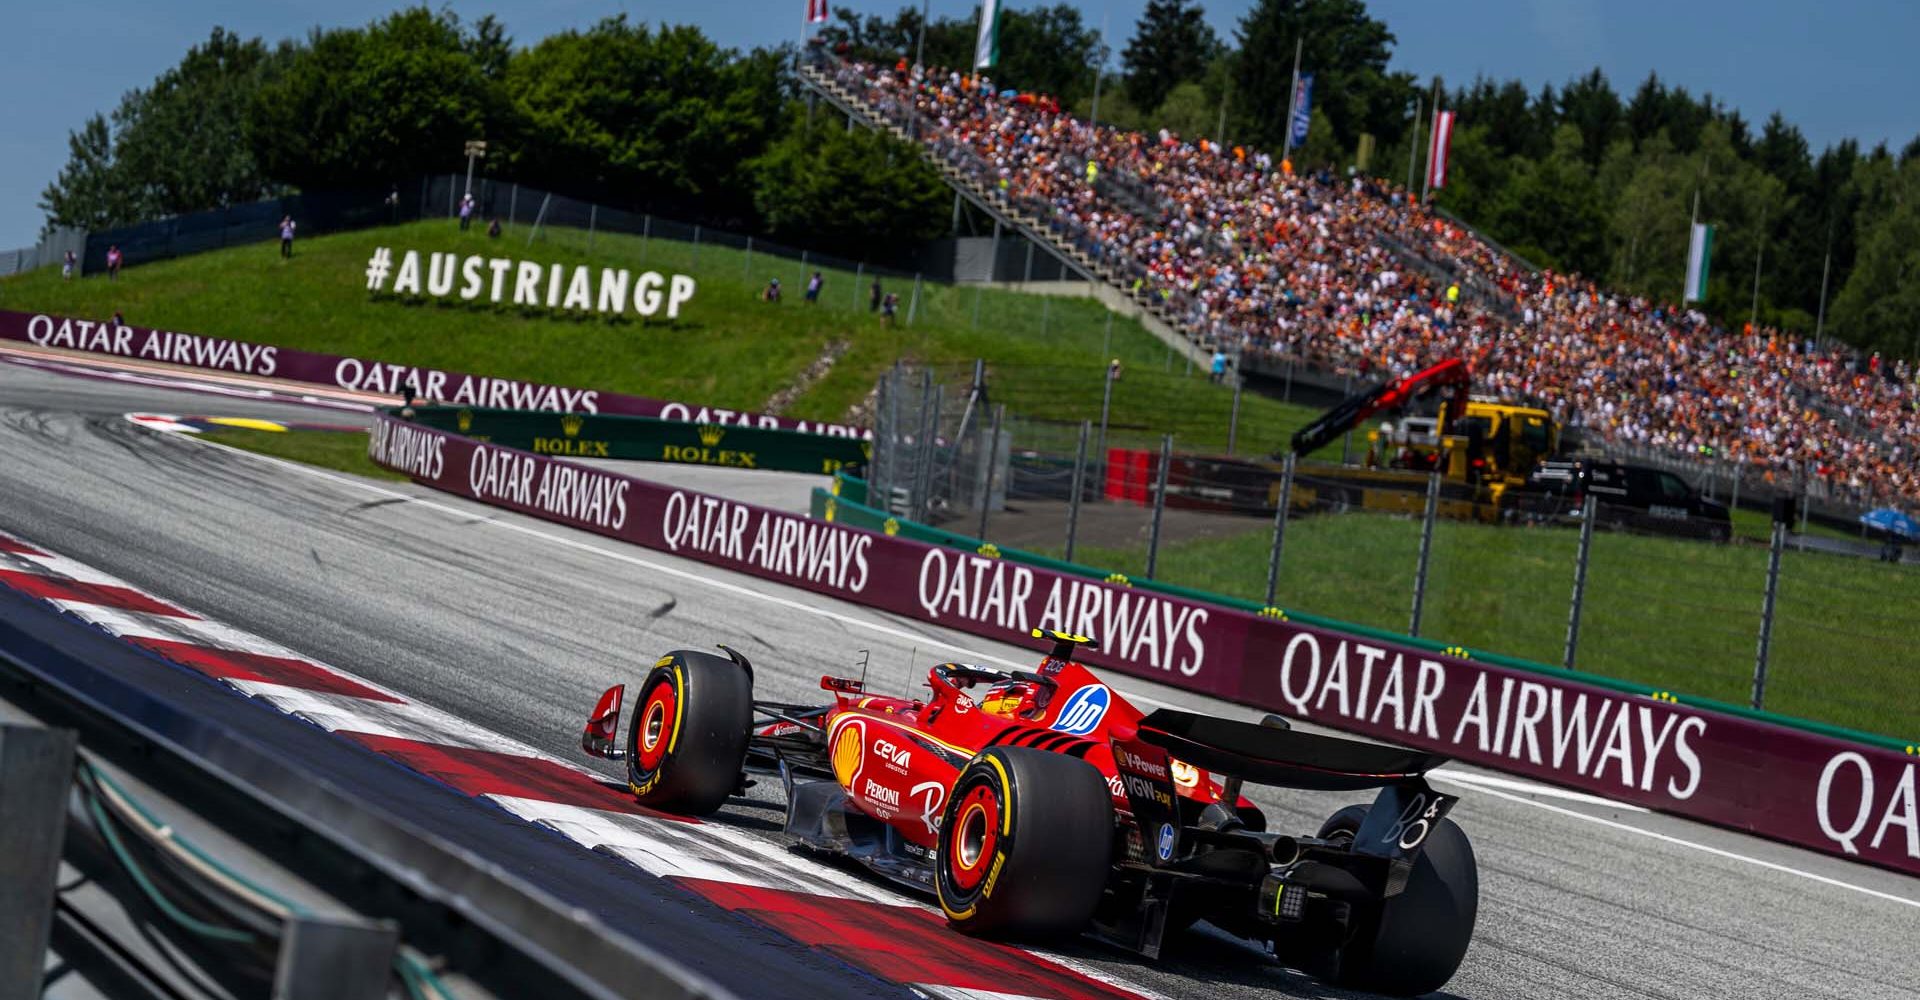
(1184, 774)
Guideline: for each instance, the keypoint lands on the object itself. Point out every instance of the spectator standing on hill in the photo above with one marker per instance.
(66, 267)
(118, 320)
(286, 237)
(493, 228)
(873, 299)
(888, 306)
(813, 288)
(772, 294)
(1219, 365)
(466, 211)
(1113, 370)
(113, 262)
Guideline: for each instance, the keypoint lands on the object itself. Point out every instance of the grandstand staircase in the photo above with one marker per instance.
(1107, 283)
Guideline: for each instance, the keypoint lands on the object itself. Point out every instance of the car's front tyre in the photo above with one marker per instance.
(690, 732)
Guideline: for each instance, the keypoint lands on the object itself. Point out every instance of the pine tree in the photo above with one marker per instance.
(1172, 44)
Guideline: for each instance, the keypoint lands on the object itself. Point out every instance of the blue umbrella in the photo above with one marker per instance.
(1893, 522)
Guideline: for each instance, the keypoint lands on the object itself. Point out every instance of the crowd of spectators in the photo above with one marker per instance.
(1355, 275)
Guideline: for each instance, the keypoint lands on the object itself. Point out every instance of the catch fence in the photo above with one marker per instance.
(1809, 623)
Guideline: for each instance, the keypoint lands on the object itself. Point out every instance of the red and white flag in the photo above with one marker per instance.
(816, 11)
(1437, 152)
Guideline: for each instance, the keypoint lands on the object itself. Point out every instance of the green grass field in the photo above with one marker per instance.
(345, 451)
(1674, 614)
(1046, 355)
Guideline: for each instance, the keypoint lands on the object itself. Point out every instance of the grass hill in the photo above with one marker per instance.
(1046, 355)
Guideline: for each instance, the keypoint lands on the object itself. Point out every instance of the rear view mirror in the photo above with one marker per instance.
(602, 736)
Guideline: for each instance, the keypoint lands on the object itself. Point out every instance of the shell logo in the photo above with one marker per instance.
(849, 752)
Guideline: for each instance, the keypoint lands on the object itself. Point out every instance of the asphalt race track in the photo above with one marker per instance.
(516, 625)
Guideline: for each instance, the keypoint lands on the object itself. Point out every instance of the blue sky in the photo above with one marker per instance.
(1837, 70)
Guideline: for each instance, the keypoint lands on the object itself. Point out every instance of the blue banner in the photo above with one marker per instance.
(1302, 108)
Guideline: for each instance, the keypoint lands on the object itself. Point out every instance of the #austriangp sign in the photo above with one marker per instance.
(581, 289)
(1844, 798)
(370, 376)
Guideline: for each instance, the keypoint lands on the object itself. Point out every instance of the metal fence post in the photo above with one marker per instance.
(646, 234)
(1280, 507)
(993, 463)
(883, 436)
(859, 278)
(1588, 511)
(36, 772)
(746, 266)
(1806, 495)
(334, 958)
(1426, 550)
(1106, 339)
(1346, 442)
(1286, 396)
(1734, 503)
(916, 494)
(913, 307)
(1079, 484)
(924, 487)
(1233, 420)
(1159, 504)
(1766, 611)
(696, 246)
(513, 206)
(593, 223)
(1106, 407)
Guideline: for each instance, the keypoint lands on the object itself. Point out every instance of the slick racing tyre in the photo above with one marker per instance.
(689, 734)
(1024, 844)
(1417, 939)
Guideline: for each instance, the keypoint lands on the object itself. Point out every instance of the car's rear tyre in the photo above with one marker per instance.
(1024, 844)
(689, 733)
(1420, 935)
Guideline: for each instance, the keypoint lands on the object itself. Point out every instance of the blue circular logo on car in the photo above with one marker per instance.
(1082, 712)
(1165, 845)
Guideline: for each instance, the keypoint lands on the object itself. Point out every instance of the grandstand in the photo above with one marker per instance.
(1355, 276)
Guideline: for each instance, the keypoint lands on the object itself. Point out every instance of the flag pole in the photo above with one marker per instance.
(1820, 323)
(1413, 145)
(1433, 129)
(1293, 99)
(1759, 255)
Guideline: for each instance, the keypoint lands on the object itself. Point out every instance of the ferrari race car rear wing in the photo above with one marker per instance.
(1282, 757)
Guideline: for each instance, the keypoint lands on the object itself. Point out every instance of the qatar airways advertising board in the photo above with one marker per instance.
(104, 337)
(1788, 784)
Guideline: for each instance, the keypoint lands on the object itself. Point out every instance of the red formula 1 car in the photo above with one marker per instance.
(1047, 805)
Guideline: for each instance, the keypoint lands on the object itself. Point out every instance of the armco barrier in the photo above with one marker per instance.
(363, 375)
(1844, 798)
(649, 439)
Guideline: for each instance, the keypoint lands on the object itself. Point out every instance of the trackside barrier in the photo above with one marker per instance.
(1853, 798)
(101, 336)
(649, 439)
(836, 503)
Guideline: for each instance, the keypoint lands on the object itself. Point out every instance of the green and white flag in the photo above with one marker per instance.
(1699, 249)
(986, 52)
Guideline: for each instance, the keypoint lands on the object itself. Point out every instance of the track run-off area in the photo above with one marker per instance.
(513, 626)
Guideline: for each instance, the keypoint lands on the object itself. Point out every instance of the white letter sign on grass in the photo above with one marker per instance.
(561, 288)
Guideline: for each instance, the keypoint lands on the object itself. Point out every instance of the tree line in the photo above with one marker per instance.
(1579, 177)
(657, 119)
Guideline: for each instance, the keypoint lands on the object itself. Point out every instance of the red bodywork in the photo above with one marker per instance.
(898, 757)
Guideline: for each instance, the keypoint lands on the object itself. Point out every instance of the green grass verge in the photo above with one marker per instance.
(1677, 615)
(1046, 355)
(343, 451)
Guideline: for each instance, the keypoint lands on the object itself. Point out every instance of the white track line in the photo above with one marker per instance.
(1484, 781)
(975, 656)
